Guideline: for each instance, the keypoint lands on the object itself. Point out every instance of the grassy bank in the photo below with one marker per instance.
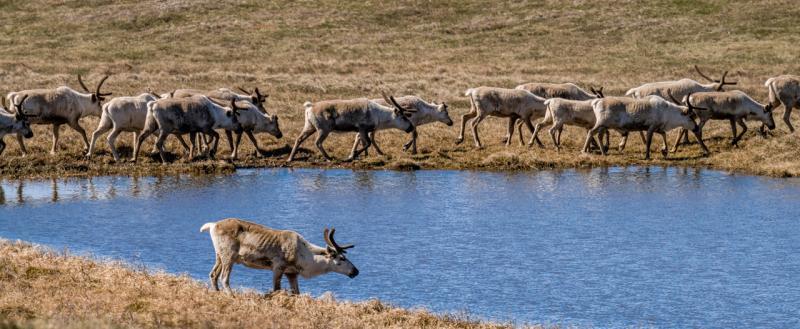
(46, 289)
(299, 51)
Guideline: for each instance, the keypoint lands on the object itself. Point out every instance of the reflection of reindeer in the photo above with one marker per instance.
(283, 252)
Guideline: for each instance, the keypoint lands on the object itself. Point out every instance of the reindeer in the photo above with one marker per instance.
(254, 96)
(286, 253)
(679, 89)
(734, 106)
(652, 114)
(425, 113)
(192, 115)
(505, 103)
(253, 121)
(360, 115)
(124, 114)
(16, 123)
(785, 89)
(62, 105)
(562, 112)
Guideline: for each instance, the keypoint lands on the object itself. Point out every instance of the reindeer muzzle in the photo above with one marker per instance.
(353, 273)
(28, 135)
(279, 135)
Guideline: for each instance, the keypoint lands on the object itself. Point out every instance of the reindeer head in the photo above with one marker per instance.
(688, 110)
(97, 96)
(442, 115)
(400, 115)
(256, 98)
(21, 124)
(766, 115)
(336, 255)
(718, 84)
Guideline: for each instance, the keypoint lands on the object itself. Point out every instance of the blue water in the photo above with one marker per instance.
(606, 248)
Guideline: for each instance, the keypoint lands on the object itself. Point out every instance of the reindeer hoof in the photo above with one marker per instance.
(459, 141)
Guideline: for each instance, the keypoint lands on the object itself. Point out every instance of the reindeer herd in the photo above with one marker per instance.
(652, 108)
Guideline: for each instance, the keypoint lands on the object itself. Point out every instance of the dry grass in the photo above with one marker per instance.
(318, 50)
(46, 289)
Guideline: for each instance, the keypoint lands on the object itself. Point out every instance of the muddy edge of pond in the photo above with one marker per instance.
(37, 282)
(492, 159)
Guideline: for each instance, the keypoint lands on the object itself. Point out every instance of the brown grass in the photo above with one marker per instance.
(46, 289)
(300, 51)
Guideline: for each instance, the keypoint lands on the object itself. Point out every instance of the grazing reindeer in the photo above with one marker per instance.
(785, 89)
(192, 115)
(359, 115)
(62, 105)
(16, 123)
(734, 106)
(425, 113)
(284, 252)
(652, 114)
(504, 103)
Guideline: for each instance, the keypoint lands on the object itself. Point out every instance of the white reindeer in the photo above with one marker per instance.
(356, 115)
(192, 115)
(62, 105)
(652, 114)
(504, 103)
(785, 89)
(734, 106)
(425, 113)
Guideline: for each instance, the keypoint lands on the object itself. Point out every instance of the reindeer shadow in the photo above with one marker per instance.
(281, 151)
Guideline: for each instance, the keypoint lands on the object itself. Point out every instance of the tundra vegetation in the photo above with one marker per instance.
(298, 52)
(47, 289)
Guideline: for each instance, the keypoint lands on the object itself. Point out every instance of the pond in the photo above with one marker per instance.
(613, 247)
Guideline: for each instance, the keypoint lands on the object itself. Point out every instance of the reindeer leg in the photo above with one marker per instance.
(193, 140)
(648, 142)
(788, 105)
(162, 136)
(307, 132)
(293, 283)
(214, 274)
(733, 131)
(112, 139)
(2, 146)
(320, 139)
(22, 145)
(510, 132)
(215, 138)
(742, 124)
(105, 125)
(277, 273)
(75, 125)
(56, 128)
(226, 268)
(146, 132)
(664, 151)
(475, 123)
(375, 145)
(464, 118)
(254, 141)
(407, 144)
(413, 142)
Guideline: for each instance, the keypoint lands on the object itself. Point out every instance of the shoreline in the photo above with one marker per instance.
(45, 288)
